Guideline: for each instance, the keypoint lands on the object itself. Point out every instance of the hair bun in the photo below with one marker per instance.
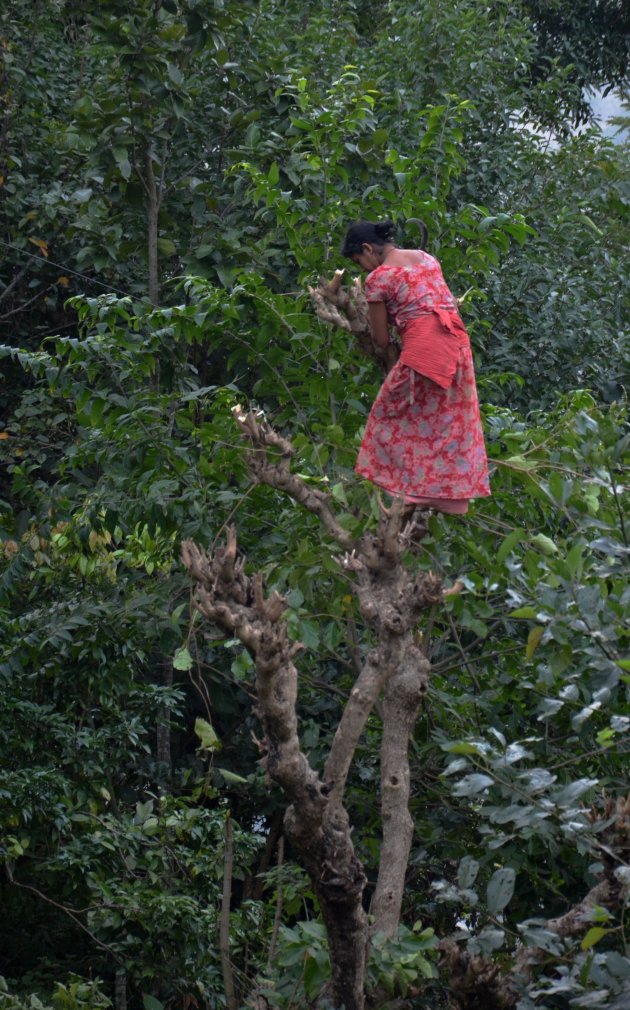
(367, 233)
(385, 229)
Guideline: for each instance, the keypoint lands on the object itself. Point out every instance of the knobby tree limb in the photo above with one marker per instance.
(276, 472)
(391, 599)
(318, 829)
(347, 308)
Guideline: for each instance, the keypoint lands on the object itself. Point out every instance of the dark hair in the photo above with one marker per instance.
(372, 232)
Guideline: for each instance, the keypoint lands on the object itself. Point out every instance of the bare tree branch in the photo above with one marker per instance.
(391, 598)
(347, 308)
(318, 828)
(277, 473)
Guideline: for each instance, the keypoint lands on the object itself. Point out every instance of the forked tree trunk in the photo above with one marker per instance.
(391, 599)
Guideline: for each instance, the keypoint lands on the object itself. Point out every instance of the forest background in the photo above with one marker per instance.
(173, 176)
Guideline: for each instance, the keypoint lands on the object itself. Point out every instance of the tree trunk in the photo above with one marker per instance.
(153, 208)
(338, 881)
(401, 704)
(163, 733)
(317, 828)
(231, 1001)
(391, 598)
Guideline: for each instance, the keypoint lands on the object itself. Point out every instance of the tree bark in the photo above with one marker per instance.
(318, 829)
(347, 308)
(153, 208)
(401, 704)
(391, 598)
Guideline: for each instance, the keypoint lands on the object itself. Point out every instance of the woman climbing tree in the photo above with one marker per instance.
(423, 438)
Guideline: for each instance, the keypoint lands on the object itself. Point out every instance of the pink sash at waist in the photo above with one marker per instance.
(431, 345)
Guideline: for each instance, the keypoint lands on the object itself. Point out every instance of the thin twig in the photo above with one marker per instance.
(224, 923)
(70, 913)
(277, 919)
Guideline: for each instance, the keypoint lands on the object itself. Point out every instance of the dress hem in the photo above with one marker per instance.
(453, 506)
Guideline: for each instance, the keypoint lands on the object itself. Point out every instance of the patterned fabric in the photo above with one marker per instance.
(422, 441)
(423, 438)
(432, 345)
(410, 291)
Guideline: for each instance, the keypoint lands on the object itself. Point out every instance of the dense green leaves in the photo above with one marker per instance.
(126, 731)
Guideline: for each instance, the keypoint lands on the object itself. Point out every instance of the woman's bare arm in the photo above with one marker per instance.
(378, 323)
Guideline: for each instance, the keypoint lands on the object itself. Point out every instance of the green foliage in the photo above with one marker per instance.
(403, 963)
(301, 962)
(587, 38)
(76, 994)
(268, 128)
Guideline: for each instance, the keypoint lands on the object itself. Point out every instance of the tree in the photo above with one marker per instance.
(589, 39)
(137, 822)
(525, 493)
(316, 823)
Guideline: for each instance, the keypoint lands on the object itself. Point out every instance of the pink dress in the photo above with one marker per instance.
(423, 438)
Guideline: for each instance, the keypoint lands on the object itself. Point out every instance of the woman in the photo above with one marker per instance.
(423, 439)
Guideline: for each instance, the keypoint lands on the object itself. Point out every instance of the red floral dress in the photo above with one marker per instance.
(423, 438)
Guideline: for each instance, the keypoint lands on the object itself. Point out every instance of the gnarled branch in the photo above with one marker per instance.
(318, 827)
(391, 598)
(347, 308)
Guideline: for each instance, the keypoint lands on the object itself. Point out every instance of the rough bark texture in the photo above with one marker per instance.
(348, 309)
(391, 598)
(403, 696)
(318, 829)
